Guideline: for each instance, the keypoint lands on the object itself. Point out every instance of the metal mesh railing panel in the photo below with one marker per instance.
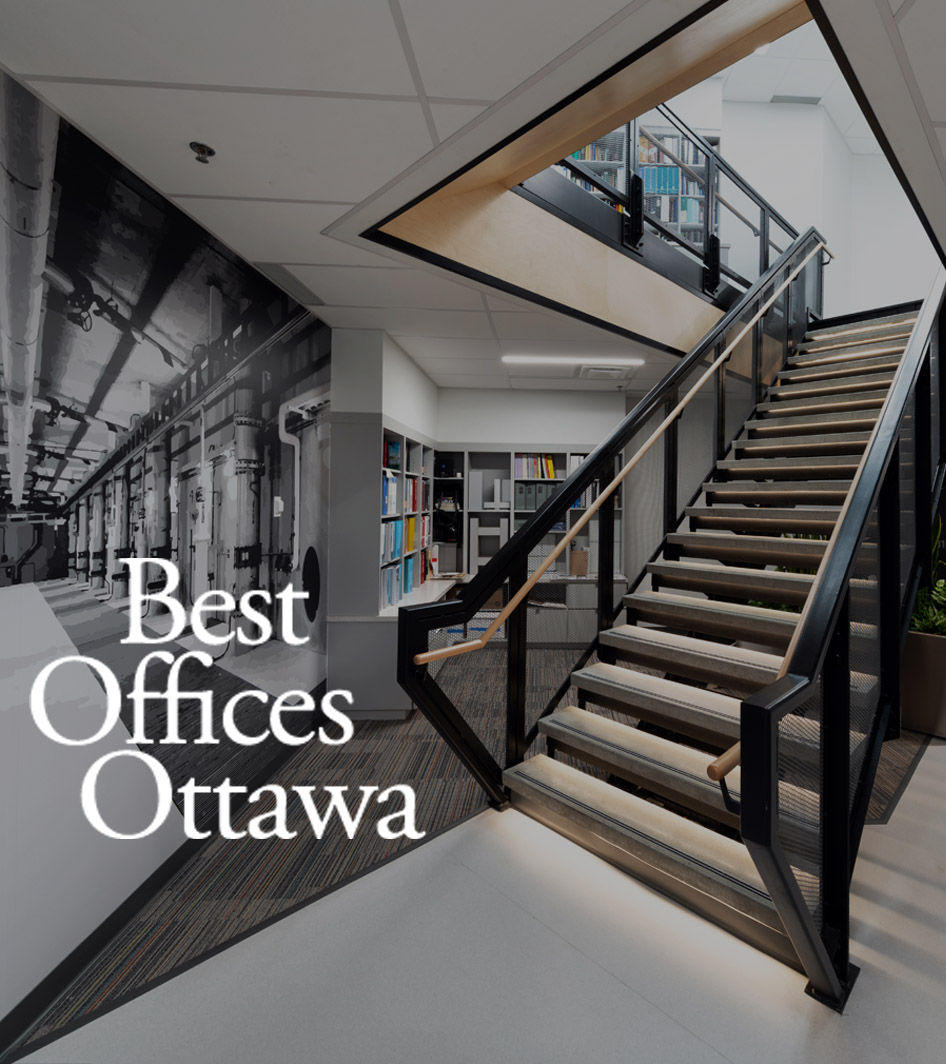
(864, 649)
(908, 488)
(801, 778)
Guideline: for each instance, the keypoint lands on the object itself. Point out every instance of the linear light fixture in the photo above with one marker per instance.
(571, 360)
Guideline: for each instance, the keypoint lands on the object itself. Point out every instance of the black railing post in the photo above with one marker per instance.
(722, 441)
(763, 241)
(888, 569)
(922, 458)
(634, 219)
(836, 798)
(670, 465)
(517, 649)
(606, 564)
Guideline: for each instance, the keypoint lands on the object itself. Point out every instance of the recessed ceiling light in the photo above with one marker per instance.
(571, 360)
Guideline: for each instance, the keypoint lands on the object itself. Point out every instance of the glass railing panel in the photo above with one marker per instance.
(606, 158)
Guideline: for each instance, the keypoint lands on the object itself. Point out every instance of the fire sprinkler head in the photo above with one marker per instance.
(203, 152)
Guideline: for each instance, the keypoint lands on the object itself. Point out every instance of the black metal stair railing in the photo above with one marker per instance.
(811, 740)
(488, 710)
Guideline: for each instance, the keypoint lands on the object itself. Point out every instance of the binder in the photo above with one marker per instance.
(530, 496)
(520, 496)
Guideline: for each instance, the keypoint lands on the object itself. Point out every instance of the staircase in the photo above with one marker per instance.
(626, 770)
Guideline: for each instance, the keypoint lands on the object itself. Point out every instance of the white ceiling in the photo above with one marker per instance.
(318, 110)
(895, 48)
(801, 64)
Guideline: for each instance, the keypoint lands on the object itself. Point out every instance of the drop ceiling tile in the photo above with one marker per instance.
(922, 31)
(400, 321)
(840, 104)
(810, 44)
(449, 117)
(435, 348)
(451, 367)
(279, 147)
(481, 51)
(281, 44)
(754, 79)
(558, 385)
(863, 145)
(587, 350)
(474, 380)
(384, 287)
(807, 77)
(279, 231)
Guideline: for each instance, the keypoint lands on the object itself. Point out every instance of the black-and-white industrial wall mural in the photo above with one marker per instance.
(160, 397)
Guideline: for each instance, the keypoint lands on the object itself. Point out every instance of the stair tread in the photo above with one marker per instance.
(867, 400)
(849, 356)
(731, 573)
(840, 371)
(706, 647)
(795, 422)
(831, 465)
(838, 343)
(767, 487)
(720, 609)
(860, 382)
(768, 513)
(730, 544)
(888, 321)
(721, 863)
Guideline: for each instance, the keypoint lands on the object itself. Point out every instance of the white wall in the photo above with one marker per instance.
(892, 257)
(408, 394)
(528, 418)
(796, 158)
(60, 878)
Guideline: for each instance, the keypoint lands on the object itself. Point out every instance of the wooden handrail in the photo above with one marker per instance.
(725, 763)
(428, 656)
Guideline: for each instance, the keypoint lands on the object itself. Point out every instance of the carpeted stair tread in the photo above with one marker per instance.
(732, 581)
(764, 550)
(820, 492)
(698, 659)
(866, 325)
(793, 423)
(764, 519)
(673, 845)
(778, 468)
(732, 620)
(847, 356)
(662, 766)
(861, 382)
(823, 443)
(818, 404)
(680, 707)
(840, 370)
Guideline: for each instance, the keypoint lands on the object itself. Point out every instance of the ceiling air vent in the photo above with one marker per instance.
(809, 100)
(605, 373)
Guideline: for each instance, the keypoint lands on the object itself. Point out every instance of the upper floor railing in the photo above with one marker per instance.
(673, 192)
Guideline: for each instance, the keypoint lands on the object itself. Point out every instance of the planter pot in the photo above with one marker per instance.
(923, 684)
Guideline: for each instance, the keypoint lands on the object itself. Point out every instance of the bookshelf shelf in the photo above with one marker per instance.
(405, 518)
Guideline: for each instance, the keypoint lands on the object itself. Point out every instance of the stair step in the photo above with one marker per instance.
(708, 716)
(827, 443)
(723, 620)
(693, 864)
(791, 423)
(842, 343)
(868, 325)
(762, 550)
(698, 659)
(815, 404)
(730, 581)
(764, 520)
(838, 371)
(849, 356)
(862, 382)
(790, 492)
(814, 466)
(666, 768)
